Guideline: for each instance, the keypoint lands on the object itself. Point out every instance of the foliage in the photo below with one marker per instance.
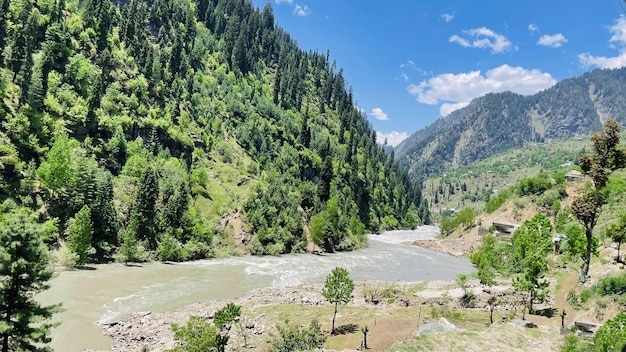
(606, 158)
(296, 338)
(617, 231)
(531, 243)
(198, 335)
(144, 111)
(338, 289)
(612, 335)
(533, 185)
(496, 202)
(464, 217)
(573, 343)
(224, 317)
(613, 285)
(79, 235)
(24, 272)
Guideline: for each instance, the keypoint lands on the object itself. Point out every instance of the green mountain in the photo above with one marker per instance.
(497, 122)
(170, 118)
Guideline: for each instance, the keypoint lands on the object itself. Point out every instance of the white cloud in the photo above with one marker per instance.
(301, 10)
(393, 138)
(532, 28)
(287, 1)
(454, 90)
(447, 108)
(404, 77)
(409, 64)
(447, 17)
(619, 31)
(379, 114)
(618, 36)
(589, 60)
(483, 37)
(554, 41)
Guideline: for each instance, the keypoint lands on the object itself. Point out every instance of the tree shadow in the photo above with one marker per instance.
(346, 329)
(546, 312)
(85, 267)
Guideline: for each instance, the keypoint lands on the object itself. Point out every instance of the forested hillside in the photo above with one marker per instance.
(137, 128)
(497, 122)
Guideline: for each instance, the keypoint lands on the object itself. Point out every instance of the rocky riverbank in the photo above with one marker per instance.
(263, 309)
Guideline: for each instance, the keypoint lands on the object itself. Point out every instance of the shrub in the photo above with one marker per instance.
(585, 294)
(615, 285)
(294, 338)
(496, 202)
(533, 185)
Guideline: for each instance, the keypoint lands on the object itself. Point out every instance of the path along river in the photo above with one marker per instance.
(112, 291)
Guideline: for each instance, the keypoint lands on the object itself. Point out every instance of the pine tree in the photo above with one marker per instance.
(143, 217)
(24, 272)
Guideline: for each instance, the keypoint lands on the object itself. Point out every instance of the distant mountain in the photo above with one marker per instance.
(497, 122)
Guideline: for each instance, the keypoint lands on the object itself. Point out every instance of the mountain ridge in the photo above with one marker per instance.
(497, 122)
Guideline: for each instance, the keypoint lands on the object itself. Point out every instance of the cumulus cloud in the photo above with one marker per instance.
(618, 41)
(532, 28)
(457, 90)
(554, 41)
(483, 38)
(301, 10)
(379, 114)
(393, 138)
(447, 17)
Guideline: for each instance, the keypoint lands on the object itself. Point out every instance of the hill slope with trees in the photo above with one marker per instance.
(138, 128)
(501, 121)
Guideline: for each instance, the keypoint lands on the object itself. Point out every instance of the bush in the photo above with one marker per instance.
(533, 185)
(548, 198)
(585, 295)
(197, 335)
(615, 285)
(496, 202)
(294, 338)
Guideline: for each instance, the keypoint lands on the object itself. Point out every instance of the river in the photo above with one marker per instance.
(110, 292)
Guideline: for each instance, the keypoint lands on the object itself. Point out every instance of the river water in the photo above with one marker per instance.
(110, 292)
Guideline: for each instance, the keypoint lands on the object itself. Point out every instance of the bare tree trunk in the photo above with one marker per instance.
(332, 329)
(585, 270)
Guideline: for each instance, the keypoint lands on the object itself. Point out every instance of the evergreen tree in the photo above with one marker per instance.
(24, 272)
(143, 217)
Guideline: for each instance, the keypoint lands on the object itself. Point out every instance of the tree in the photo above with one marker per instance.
(24, 272)
(587, 207)
(531, 243)
(617, 231)
(143, 217)
(197, 336)
(224, 319)
(612, 335)
(338, 289)
(79, 235)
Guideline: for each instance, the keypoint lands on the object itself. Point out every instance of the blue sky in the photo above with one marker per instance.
(411, 61)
